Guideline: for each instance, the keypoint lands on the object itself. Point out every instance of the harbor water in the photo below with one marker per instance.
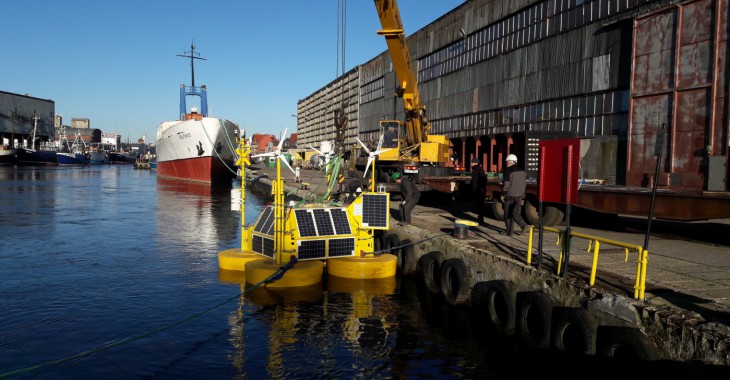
(107, 272)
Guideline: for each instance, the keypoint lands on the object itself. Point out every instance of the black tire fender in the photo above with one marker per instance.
(377, 242)
(626, 343)
(456, 282)
(574, 331)
(498, 298)
(534, 319)
(430, 267)
(389, 241)
(406, 257)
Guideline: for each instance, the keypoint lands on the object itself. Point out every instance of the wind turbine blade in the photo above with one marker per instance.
(269, 154)
(315, 149)
(283, 159)
(380, 142)
(363, 145)
(365, 173)
(378, 152)
(281, 140)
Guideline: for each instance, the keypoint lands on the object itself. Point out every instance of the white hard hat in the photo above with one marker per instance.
(511, 157)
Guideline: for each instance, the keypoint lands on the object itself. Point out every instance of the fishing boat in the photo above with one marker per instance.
(196, 147)
(98, 157)
(119, 158)
(33, 153)
(72, 154)
(8, 155)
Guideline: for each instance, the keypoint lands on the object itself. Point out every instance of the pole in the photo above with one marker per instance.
(568, 202)
(658, 148)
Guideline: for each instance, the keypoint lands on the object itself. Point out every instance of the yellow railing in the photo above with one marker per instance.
(595, 242)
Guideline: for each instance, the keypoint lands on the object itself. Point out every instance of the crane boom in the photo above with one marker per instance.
(416, 123)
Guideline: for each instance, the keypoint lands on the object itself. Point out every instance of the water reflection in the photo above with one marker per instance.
(196, 215)
(313, 331)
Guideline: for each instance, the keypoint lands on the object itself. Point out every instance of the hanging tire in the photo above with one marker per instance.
(389, 241)
(456, 282)
(498, 298)
(378, 240)
(626, 343)
(574, 331)
(430, 267)
(406, 257)
(535, 312)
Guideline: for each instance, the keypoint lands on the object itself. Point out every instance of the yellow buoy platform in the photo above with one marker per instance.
(302, 273)
(367, 267)
(235, 259)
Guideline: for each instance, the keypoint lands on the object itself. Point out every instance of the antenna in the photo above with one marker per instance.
(193, 56)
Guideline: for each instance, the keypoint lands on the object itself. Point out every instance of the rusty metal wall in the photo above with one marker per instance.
(679, 87)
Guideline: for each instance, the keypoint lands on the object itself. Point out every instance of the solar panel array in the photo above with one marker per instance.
(322, 222)
(324, 232)
(375, 210)
(325, 248)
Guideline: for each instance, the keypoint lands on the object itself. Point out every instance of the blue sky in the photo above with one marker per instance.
(116, 63)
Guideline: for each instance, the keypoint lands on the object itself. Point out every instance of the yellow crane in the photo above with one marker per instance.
(416, 148)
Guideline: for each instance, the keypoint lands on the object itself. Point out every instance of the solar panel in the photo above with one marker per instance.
(269, 248)
(375, 210)
(339, 217)
(265, 223)
(311, 249)
(257, 244)
(341, 247)
(305, 223)
(324, 222)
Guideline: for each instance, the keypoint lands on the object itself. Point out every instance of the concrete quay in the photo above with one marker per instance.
(685, 312)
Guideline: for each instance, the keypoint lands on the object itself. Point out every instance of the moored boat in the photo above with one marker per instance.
(36, 154)
(8, 156)
(98, 157)
(197, 148)
(72, 154)
(32, 156)
(119, 158)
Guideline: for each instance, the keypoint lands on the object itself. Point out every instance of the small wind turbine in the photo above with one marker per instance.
(372, 155)
(277, 153)
(326, 152)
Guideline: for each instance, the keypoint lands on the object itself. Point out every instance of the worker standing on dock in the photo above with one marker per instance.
(513, 192)
(410, 194)
(478, 187)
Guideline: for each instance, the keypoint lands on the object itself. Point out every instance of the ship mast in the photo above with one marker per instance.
(193, 56)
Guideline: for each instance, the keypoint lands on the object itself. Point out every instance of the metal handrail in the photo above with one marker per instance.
(641, 263)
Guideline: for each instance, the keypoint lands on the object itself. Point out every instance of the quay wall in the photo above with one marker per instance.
(678, 334)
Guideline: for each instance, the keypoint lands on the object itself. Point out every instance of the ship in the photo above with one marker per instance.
(72, 154)
(197, 147)
(8, 156)
(35, 152)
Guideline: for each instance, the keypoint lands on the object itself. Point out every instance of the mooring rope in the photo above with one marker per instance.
(273, 277)
(382, 251)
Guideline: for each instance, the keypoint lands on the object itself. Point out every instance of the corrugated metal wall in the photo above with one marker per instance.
(492, 73)
(17, 112)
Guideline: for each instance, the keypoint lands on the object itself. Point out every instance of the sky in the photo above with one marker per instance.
(116, 62)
